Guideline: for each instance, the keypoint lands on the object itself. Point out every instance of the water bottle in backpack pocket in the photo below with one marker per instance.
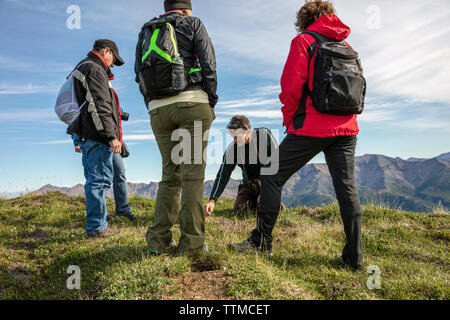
(195, 74)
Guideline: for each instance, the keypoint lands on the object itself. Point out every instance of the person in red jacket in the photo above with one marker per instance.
(309, 133)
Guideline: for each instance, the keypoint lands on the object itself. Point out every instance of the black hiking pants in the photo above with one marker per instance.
(295, 152)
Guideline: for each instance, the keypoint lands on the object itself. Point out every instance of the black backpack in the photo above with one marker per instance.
(339, 84)
(162, 73)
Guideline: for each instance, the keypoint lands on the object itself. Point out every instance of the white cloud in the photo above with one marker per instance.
(137, 122)
(267, 114)
(142, 131)
(28, 64)
(130, 139)
(56, 142)
(425, 124)
(139, 137)
(19, 89)
(406, 56)
(38, 114)
(248, 103)
(269, 90)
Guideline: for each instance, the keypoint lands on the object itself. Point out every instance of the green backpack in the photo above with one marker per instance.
(162, 73)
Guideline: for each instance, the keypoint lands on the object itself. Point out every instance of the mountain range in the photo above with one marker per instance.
(414, 184)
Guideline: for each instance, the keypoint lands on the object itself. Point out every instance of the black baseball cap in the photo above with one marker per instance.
(105, 43)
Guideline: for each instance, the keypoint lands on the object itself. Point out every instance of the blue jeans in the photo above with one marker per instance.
(119, 182)
(120, 186)
(99, 172)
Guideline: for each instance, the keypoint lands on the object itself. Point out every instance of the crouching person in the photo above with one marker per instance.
(99, 130)
(245, 152)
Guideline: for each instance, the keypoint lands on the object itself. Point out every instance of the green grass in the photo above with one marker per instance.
(41, 236)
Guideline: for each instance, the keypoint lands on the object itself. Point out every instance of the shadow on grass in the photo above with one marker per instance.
(308, 262)
(230, 214)
(92, 266)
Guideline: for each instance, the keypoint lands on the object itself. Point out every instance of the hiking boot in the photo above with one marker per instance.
(108, 232)
(130, 216)
(346, 262)
(153, 252)
(249, 246)
(194, 252)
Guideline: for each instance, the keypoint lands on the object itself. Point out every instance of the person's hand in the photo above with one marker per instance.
(116, 146)
(209, 208)
(78, 149)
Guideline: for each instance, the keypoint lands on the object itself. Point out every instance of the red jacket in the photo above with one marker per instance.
(295, 75)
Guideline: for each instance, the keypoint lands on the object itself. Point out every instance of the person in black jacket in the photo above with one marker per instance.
(194, 45)
(248, 153)
(190, 110)
(99, 129)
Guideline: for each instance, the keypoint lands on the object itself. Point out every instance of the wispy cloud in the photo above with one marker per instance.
(267, 114)
(56, 142)
(37, 114)
(248, 103)
(404, 57)
(269, 90)
(20, 89)
(147, 131)
(42, 6)
(130, 140)
(139, 137)
(31, 65)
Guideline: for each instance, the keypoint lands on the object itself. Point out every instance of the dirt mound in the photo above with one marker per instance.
(211, 285)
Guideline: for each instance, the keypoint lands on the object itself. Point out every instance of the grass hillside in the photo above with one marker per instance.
(42, 235)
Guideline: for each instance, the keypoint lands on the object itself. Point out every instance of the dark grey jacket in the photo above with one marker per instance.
(99, 120)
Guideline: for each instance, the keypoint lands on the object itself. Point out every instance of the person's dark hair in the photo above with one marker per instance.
(311, 11)
(239, 122)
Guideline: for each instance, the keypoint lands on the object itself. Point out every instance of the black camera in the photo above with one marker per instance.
(124, 115)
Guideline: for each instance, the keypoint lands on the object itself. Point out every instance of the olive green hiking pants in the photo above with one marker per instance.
(183, 172)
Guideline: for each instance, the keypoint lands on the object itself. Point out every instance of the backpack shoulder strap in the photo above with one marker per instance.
(78, 65)
(312, 49)
(180, 20)
(320, 38)
(77, 74)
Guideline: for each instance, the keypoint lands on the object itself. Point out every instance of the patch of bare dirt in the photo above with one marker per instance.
(211, 285)
(39, 234)
(32, 239)
(311, 211)
(295, 292)
(19, 271)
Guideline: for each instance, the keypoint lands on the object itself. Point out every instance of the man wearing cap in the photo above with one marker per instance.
(190, 110)
(99, 129)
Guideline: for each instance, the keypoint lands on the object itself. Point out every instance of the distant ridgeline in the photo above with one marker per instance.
(413, 185)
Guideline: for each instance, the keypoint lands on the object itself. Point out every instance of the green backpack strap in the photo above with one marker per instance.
(153, 46)
(154, 38)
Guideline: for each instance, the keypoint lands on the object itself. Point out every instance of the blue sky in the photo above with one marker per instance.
(404, 50)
